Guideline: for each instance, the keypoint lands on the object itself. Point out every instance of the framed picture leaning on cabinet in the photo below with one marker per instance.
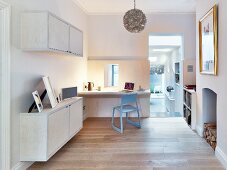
(38, 101)
(208, 42)
(50, 92)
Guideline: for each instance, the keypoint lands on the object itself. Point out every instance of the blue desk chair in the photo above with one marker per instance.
(126, 106)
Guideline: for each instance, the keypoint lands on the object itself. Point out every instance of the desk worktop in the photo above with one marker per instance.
(116, 93)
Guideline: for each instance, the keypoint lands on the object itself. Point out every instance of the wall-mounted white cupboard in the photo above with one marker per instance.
(43, 31)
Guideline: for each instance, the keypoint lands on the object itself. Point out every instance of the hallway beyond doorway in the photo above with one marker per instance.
(158, 107)
(166, 51)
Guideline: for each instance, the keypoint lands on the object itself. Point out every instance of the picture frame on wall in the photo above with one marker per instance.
(38, 101)
(208, 42)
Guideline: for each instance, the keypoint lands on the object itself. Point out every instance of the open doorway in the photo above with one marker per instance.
(165, 56)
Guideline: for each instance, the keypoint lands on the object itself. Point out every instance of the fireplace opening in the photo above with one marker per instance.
(210, 116)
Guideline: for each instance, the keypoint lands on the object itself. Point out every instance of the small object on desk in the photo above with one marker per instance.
(129, 86)
(85, 88)
(141, 89)
(90, 86)
(99, 88)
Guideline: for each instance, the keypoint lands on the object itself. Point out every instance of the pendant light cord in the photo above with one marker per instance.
(134, 4)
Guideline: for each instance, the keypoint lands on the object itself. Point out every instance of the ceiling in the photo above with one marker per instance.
(157, 51)
(148, 6)
(160, 45)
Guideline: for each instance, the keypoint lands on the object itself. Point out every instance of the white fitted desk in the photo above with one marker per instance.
(101, 103)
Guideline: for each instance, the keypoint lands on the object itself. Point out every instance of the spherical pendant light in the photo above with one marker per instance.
(134, 20)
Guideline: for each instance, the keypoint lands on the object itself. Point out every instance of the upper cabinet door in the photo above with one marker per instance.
(76, 42)
(58, 34)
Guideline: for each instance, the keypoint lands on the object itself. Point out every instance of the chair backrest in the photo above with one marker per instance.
(128, 98)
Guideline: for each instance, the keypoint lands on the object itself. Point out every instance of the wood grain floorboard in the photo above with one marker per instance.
(161, 144)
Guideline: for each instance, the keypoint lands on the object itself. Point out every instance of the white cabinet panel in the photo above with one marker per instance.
(58, 129)
(33, 132)
(34, 30)
(43, 134)
(76, 117)
(58, 34)
(76, 41)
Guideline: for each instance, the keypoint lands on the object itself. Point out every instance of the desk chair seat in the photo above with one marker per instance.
(126, 107)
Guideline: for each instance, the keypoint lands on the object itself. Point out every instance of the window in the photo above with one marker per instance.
(115, 75)
(111, 75)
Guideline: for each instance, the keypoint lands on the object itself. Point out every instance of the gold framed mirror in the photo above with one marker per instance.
(208, 42)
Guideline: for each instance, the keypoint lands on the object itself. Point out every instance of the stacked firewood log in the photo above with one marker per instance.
(210, 134)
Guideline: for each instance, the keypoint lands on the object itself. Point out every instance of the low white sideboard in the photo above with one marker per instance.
(43, 134)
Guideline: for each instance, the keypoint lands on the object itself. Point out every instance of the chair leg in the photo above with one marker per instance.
(137, 124)
(120, 130)
(113, 116)
(139, 118)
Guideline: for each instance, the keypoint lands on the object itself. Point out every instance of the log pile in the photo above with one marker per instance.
(210, 134)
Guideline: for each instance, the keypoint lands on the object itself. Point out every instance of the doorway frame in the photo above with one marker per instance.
(5, 86)
(182, 52)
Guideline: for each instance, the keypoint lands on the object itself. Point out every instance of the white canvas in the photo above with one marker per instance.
(50, 92)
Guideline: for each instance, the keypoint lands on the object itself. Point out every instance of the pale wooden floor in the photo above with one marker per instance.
(161, 144)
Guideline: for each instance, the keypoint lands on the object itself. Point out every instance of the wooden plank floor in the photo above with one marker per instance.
(161, 144)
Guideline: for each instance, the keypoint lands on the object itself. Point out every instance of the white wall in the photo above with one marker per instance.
(0, 85)
(28, 67)
(216, 83)
(108, 38)
(178, 93)
(209, 106)
(136, 71)
(169, 72)
(174, 57)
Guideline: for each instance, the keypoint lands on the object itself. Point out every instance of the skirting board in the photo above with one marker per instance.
(199, 130)
(22, 165)
(222, 157)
